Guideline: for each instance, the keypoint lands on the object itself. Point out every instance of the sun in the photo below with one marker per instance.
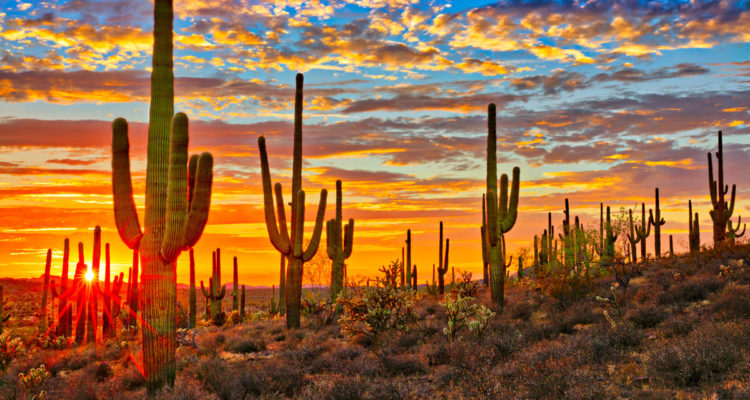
(89, 275)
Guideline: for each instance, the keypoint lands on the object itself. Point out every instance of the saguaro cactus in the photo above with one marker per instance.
(176, 204)
(133, 293)
(4, 317)
(409, 279)
(414, 278)
(216, 291)
(671, 247)
(107, 317)
(43, 311)
(115, 302)
(236, 291)
(501, 213)
(607, 254)
(242, 303)
(64, 312)
(657, 223)
(483, 232)
(633, 239)
(339, 248)
(82, 289)
(734, 232)
(722, 211)
(280, 238)
(192, 296)
(694, 230)
(93, 313)
(643, 231)
(442, 262)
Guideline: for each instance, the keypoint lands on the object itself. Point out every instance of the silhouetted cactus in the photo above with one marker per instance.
(520, 268)
(721, 212)
(671, 247)
(409, 279)
(176, 205)
(242, 303)
(536, 251)
(643, 231)
(280, 238)
(43, 311)
(339, 247)
(274, 308)
(115, 302)
(734, 232)
(107, 317)
(80, 287)
(442, 262)
(544, 248)
(694, 230)
(192, 296)
(4, 316)
(657, 223)
(502, 211)
(402, 269)
(608, 254)
(483, 232)
(633, 238)
(216, 290)
(414, 278)
(133, 294)
(236, 290)
(64, 312)
(93, 300)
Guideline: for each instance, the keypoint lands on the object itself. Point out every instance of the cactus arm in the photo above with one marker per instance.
(197, 214)
(510, 218)
(730, 210)
(126, 215)
(176, 190)
(711, 182)
(502, 209)
(221, 293)
(203, 289)
(348, 238)
(192, 167)
(278, 239)
(281, 211)
(331, 244)
(312, 248)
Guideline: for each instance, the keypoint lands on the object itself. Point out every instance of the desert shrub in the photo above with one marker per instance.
(409, 340)
(437, 353)
(245, 345)
(522, 309)
(371, 310)
(677, 325)
(691, 290)
(402, 364)
(464, 312)
(185, 388)
(504, 342)
(603, 343)
(219, 377)
(733, 302)
(33, 381)
(465, 287)
(317, 312)
(10, 348)
(103, 372)
(234, 317)
(704, 355)
(647, 316)
(578, 314)
(219, 319)
(339, 388)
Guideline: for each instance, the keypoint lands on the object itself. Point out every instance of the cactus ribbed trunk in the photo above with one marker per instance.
(282, 286)
(4, 317)
(293, 292)
(242, 303)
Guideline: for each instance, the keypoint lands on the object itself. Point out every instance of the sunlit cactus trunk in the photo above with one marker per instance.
(43, 310)
(339, 244)
(291, 245)
(501, 211)
(176, 205)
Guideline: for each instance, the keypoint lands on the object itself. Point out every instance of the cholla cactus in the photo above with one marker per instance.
(10, 349)
(463, 312)
(33, 381)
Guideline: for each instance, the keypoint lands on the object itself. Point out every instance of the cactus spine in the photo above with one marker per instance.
(442, 262)
(501, 213)
(280, 238)
(657, 223)
(45, 289)
(216, 290)
(236, 291)
(633, 238)
(193, 295)
(339, 248)
(176, 205)
(722, 211)
(4, 317)
(409, 279)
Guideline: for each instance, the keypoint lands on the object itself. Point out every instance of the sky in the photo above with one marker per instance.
(598, 101)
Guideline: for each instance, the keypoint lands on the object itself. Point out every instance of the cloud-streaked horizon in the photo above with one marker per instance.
(598, 101)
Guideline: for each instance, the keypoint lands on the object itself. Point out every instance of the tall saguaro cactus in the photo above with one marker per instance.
(291, 245)
(236, 289)
(409, 279)
(483, 232)
(501, 211)
(81, 289)
(657, 222)
(216, 291)
(64, 311)
(442, 261)
(722, 211)
(339, 248)
(176, 204)
(633, 238)
(643, 231)
(45, 290)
